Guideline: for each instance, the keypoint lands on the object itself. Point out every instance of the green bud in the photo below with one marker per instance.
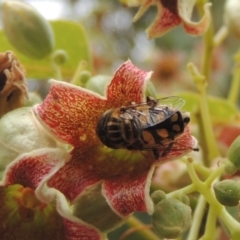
(230, 168)
(171, 218)
(98, 83)
(183, 198)
(158, 196)
(60, 57)
(97, 213)
(234, 152)
(84, 77)
(26, 29)
(227, 192)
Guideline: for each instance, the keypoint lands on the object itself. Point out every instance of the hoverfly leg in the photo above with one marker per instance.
(151, 102)
(156, 153)
(122, 109)
(196, 149)
(168, 149)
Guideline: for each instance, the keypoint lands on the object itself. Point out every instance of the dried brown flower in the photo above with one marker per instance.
(13, 85)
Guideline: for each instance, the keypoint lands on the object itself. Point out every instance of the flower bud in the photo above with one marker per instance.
(84, 76)
(234, 153)
(232, 17)
(158, 196)
(98, 83)
(26, 29)
(227, 192)
(96, 213)
(14, 142)
(230, 168)
(171, 218)
(183, 198)
(59, 57)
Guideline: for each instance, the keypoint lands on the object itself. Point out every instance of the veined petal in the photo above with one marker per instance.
(128, 85)
(76, 175)
(30, 169)
(127, 194)
(76, 231)
(71, 112)
(185, 8)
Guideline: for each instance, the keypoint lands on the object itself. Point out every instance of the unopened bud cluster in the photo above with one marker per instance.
(171, 217)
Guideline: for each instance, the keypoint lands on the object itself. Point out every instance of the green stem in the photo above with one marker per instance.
(220, 36)
(219, 210)
(202, 88)
(205, 116)
(186, 190)
(145, 233)
(210, 229)
(208, 44)
(203, 171)
(57, 72)
(197, 219)
(235, 84)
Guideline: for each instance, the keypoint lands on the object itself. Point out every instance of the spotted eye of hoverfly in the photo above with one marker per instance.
(153, 125)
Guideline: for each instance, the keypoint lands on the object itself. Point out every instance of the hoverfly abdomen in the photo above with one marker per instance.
(115, 131)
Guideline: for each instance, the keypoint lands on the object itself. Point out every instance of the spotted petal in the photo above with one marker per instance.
(127, 193)
(71, 112)
(128, 85)
(82, 174)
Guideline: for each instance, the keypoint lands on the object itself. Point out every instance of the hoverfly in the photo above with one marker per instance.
(153, 125)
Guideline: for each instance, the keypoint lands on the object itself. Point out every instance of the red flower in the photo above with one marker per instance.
(95, 188)
(172, 13)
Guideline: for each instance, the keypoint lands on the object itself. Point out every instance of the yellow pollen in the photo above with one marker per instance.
(83, 137)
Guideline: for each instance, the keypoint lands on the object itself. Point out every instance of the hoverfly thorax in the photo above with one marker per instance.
(153, 125)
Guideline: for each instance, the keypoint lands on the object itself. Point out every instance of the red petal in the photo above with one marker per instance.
(32, 168)
(194, 28)
(128, 194)
(76, 231)
(71, 113)
(164, 21)
(128, 85)
(75, 176)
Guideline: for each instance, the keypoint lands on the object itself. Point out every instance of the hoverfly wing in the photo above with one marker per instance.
(152, 112)
(173, 102)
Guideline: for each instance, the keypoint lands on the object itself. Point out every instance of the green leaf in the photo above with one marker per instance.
(220, 109)
(69, 36)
